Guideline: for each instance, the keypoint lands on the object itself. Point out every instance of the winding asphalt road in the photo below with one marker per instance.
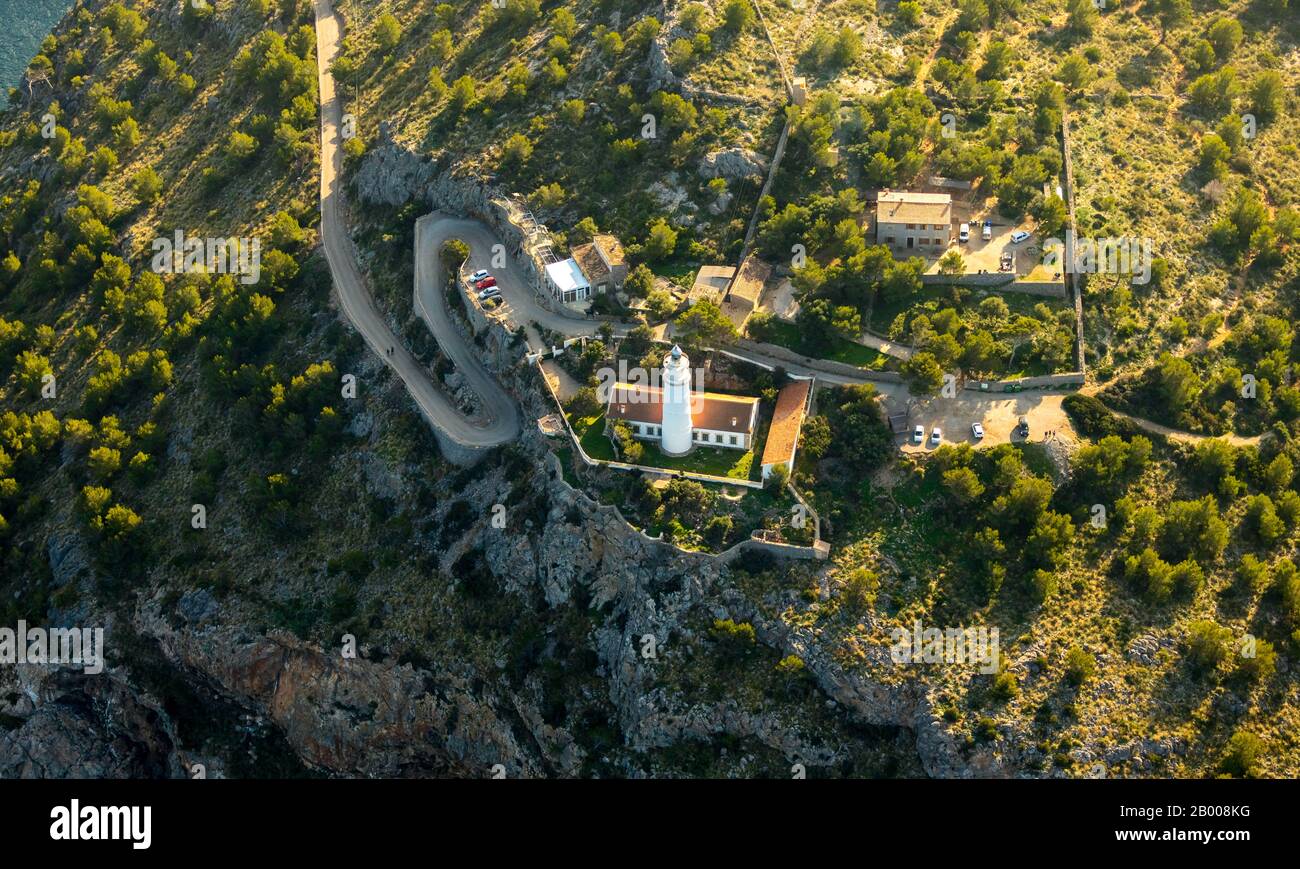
(523, 306)
(498, 421)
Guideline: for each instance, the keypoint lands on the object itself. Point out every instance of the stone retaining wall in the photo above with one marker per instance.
(1076, 282)
(1045, 381)
(1050, 289)
(990, 279)
(841, 368)
(999, 281)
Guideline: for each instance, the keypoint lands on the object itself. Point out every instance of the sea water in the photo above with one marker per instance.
(23, 24)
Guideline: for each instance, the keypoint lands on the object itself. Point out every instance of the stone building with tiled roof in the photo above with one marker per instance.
(917, 221)
(718, 419)
(602, 262)
(736, 293)
(787, 420)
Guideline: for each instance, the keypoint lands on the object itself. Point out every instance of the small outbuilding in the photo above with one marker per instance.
(567, 282)
(602, 262)
(787, 420)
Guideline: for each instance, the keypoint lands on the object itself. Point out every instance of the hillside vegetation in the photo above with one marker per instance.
(164, 434)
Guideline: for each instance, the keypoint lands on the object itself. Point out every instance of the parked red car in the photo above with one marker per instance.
(489, 281)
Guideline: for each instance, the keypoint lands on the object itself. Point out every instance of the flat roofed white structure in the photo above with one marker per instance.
(567, 282)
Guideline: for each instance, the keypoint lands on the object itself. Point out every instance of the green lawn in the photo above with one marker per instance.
(591, 434)
(853, 353)
(716, 461)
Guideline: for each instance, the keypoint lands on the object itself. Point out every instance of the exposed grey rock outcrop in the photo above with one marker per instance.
(68, 557)
(732, 164)
(392, 175)
(354, 716)
(75, 725)
(662, 76)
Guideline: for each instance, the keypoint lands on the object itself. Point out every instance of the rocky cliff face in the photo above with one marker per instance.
(351, 716)
(565, 587)
(360, 716)
(62, 723)
(391, 175)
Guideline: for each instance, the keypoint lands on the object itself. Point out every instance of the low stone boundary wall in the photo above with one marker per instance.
(999, 281)
(820, 550)
(669, 473)
(991, 279)
(1051, 289)
(1045, 381)
(841, 368)
(1076, 281)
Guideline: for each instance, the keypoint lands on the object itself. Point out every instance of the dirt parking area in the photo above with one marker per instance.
(981, 255)
(999, 414)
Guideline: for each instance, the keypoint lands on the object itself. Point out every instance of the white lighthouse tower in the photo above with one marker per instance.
(677, 423)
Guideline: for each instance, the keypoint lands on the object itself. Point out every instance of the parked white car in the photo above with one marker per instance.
(489, 293)
(918, 434)
(963, 234)
(478, 276)
(1018, 236)
(987, 231)
(977, 431)
(935, 436)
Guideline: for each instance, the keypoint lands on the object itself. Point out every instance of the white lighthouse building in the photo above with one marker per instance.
(676, 439)
(679, 417)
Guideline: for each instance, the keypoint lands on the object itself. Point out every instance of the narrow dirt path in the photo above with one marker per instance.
(1188, 437)
(1174, 434)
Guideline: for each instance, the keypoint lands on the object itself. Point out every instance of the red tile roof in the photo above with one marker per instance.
(783, 434)
(709, 410)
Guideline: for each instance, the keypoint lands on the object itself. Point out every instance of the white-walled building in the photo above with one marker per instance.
(676, 413)
(566, 281)
(787, 420)
(680, 418)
